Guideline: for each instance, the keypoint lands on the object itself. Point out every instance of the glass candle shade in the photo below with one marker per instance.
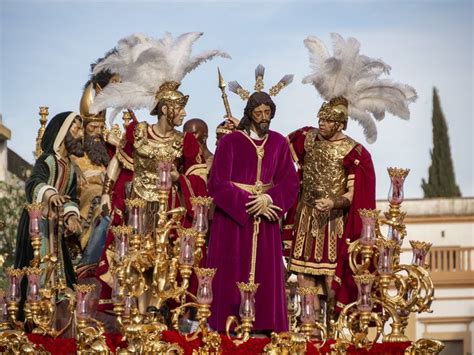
(34, 213)
(128, 186)
(136, 216)
(117, 295)
(83, 302)
(307, 297)
(204, 292)
(420, 250)
(164, 181)
(3, 307)
(293, 298)
(200, 220)
(187, 239)
(369, 218)
(397, 179)
(364, 288)
(394, 234)
(247, 300)
(34, 276)
(121, 234)
(385, 262)
(14, 279)
(129, 304)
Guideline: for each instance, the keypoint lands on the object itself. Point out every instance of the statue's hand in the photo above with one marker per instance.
(324, 204)
(232, 121)
(174, 174)
(54, 202)
(272, 212)
(73, 224)
(258, 204)
(57, 200)
(105, 201)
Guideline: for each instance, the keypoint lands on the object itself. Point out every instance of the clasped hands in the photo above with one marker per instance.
(262, 205)
(324, 204)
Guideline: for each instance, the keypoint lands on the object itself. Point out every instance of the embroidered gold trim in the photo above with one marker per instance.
(123, 158)
(311, 270)
(197, 169)
(260, 151)
(329, 266)
(253, 189)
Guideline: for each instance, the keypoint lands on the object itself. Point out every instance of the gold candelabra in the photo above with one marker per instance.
(243, 328)
(154, 265)
(375, 262)
(44, 292)
(154, 261)
(309, 321)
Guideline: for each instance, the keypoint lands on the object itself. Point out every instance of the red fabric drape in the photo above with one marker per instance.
(253, 346)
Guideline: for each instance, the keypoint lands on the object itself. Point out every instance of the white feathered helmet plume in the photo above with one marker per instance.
(151, 70)
(351, 84)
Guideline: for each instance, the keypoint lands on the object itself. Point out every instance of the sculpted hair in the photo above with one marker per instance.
(255, 100)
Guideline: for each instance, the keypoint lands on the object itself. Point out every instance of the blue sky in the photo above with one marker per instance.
(47, 46)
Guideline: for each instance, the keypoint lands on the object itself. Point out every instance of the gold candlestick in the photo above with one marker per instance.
(43, 112)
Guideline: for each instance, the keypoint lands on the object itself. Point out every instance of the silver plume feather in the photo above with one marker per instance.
(144, 63)
(234, 86)
(357, 77)
(259, 71)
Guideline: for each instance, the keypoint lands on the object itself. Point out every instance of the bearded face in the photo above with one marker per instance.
(261, 116)
(94, 144)
(74, 145)
(73, 139)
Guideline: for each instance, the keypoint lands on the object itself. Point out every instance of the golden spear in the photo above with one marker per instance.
(222, 86)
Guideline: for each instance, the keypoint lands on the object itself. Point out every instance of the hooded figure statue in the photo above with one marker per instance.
(52, 184)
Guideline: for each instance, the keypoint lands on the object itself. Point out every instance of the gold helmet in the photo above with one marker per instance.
(90, 92)
(169, 95)
(86, 101)
(335, 110)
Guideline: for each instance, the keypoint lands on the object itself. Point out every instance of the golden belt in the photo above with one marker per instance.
(256, 189)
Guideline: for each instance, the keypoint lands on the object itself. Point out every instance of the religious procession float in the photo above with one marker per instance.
(136, 239)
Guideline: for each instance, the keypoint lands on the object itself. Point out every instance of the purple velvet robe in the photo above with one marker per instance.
(230, 244)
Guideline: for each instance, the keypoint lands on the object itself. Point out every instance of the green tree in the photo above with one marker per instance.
(441, 179)
(12, 200)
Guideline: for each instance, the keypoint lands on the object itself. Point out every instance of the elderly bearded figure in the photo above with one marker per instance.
(92, 167)
(53, 183)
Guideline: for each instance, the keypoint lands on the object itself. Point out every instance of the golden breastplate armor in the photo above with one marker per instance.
(324, 175)
(146, 156)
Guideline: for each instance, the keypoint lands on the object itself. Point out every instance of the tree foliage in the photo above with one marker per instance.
(441, 178)
(12, 200)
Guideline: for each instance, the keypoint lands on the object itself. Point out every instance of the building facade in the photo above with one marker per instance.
(447, 223)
